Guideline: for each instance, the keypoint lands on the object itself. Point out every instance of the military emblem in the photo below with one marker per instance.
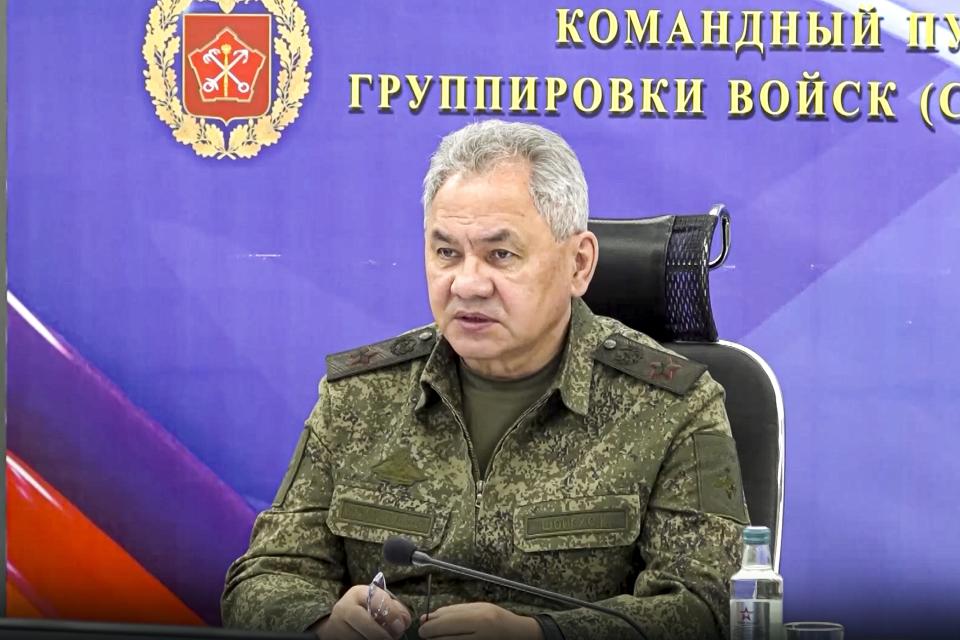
(665, 370)
(719, 483)
(403, 346)
(627, 357)
(225, 102)
(223, 77)
(399, 468)
(726, 484)
(363, 356)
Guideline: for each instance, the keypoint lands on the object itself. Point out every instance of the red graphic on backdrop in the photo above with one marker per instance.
(227, 68)
(226, 65)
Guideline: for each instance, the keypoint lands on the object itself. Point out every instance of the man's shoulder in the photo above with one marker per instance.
(644, 359)
(380, 356)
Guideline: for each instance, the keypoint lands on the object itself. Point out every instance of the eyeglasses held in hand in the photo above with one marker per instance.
(378, 599)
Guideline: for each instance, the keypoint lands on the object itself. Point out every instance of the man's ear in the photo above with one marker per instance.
(586, 250)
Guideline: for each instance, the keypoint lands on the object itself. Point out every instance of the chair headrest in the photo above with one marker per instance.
(653, 273)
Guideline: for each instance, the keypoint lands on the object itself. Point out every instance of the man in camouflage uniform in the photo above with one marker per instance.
(521, 435)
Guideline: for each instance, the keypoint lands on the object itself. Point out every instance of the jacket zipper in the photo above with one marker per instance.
(475, 466)
(523, 416)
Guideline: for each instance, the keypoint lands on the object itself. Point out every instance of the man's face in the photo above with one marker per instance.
(500, 284)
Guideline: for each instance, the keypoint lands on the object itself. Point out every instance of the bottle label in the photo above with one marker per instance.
(752, 619)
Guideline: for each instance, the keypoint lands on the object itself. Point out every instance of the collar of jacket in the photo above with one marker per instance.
(439, 376)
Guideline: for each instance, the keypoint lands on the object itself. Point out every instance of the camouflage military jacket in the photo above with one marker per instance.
(620, 486)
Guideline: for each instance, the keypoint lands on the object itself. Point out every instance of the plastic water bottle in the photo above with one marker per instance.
(756, 591)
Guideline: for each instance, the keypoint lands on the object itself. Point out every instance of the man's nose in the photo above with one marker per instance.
(471, 280)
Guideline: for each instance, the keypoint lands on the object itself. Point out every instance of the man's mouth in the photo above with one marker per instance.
(473, 319)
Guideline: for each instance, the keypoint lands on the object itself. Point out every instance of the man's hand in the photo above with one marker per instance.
(479, 620)
(349, 619)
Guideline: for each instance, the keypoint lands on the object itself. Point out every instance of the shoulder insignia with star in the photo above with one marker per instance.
(408, 346)
(650, 365)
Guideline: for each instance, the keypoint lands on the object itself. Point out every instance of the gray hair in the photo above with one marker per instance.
(557, 185)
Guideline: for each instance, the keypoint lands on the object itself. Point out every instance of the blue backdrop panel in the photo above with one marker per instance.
(209, 291)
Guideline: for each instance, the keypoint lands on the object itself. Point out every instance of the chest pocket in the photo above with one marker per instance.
(365, 514)
(589, 522)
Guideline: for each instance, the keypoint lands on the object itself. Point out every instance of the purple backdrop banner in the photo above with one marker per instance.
(207, 292)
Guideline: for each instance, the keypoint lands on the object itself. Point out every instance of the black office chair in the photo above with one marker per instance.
(653, 275)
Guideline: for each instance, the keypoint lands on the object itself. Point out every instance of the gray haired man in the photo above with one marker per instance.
(519, 434)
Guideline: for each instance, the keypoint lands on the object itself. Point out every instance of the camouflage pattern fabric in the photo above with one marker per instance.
(619, 486)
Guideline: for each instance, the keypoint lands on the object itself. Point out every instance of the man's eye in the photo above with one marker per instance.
(501, 254)
(446, 253)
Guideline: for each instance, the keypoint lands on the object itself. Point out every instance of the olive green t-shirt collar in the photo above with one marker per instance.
(576, 369)
(537, 380)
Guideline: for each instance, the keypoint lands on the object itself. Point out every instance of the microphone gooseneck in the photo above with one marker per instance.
(403, 551)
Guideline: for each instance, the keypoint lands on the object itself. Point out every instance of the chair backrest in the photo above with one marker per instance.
(653, 275)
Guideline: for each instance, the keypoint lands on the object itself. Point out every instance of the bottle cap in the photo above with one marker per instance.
(756, 535)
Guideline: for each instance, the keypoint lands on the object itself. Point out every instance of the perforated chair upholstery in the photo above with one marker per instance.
(653, 275)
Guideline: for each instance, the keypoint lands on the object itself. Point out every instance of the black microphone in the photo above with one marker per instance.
(402, 551)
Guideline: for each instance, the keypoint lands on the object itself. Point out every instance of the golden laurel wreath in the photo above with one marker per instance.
(161, 46)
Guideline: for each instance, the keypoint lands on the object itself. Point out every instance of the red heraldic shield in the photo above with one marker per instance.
(226, 65)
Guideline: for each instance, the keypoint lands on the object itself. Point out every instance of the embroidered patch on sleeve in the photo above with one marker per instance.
(292, 470)
(718, 476)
